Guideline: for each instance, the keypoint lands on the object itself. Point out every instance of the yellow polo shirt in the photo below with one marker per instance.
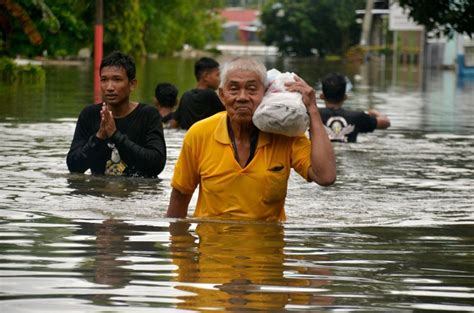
(227, 190)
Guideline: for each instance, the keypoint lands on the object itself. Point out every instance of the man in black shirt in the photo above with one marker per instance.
(201, 102)
(166, 98)
(118, 137)
(344, 125)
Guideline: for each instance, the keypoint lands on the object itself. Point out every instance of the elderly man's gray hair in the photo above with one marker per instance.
(244, 64)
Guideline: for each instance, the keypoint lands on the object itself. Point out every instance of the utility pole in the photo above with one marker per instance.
(367, 24)
(98, 47)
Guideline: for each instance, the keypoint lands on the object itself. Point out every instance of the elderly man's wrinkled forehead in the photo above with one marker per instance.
(243, 64)
(243, 76)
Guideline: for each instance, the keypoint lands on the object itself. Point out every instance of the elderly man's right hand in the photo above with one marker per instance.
(308, 93)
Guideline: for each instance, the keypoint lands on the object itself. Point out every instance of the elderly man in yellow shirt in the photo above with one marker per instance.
(242, 172)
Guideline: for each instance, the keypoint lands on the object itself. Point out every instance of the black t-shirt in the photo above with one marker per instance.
(195, 105)
(343, 125)
(137, 148)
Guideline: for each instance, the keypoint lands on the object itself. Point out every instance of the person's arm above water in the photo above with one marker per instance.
(383, 121)
(149, 159)
(185, 178)
(87, 150)
(323, 161)
(179, 203)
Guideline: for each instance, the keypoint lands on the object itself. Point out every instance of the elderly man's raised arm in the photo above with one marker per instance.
(323, 161)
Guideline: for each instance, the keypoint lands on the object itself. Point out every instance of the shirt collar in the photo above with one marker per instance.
(222, 135)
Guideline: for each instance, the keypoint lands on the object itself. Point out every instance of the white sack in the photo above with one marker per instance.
(281, 112)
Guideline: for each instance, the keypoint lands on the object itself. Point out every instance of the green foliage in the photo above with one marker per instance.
(443, 16)
(132, 26)
(171, 24)
(11, 73)
(306, 26)
(124, 24)
(63, 24)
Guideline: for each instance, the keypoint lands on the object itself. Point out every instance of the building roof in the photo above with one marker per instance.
(243, 17)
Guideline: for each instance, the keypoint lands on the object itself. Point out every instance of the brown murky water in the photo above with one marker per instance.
(395, 233)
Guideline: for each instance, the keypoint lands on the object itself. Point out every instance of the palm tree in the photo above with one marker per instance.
(18, 12)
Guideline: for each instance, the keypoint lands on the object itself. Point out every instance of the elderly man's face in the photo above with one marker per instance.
(241, 94)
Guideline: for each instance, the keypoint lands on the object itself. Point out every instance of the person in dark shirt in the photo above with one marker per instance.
(166, 98)
(118, 136)
(201, 102)
(344, 125)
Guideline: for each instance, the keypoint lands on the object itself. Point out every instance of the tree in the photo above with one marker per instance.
(308, 26)
(62, 27)
(124, 22)
(171, 24)
(344, 17)
(59, 27)
(442, 16)
(18, 12)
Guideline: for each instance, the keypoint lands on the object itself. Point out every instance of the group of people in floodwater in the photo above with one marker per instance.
(242, 172)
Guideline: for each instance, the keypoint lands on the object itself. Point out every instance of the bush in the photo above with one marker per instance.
(11, 72)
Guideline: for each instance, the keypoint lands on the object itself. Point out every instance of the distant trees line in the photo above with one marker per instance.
(329, 26)
(32, 27)
(61, 28)
(305, 27)
(138, 27)
(443, 17)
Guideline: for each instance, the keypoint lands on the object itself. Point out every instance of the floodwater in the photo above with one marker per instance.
(395, 233)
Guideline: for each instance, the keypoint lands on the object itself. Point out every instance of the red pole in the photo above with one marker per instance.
(98, 40)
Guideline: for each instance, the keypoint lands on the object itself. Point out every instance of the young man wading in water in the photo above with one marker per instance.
(341, 124)
(118, 137)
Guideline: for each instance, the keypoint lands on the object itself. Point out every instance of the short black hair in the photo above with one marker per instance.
(120, 59)
(334, 87)
(166, 94)
(204, 64)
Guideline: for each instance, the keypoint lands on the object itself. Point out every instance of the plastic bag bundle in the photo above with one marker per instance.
(281, 112)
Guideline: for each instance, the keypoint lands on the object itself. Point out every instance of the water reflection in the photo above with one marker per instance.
(140, 266)
(108, 266)
(240, 267)
(114, 187)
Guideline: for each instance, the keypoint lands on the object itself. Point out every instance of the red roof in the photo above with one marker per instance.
(241, 16)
